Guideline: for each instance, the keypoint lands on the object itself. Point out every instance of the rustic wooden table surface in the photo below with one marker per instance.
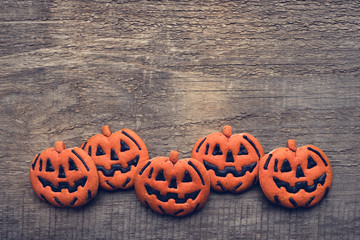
(174, 71)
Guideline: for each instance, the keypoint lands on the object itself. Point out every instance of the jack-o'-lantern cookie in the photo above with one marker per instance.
(232, 161)
(64, 177)
(171, 186)
(295, 177)
(116, 156)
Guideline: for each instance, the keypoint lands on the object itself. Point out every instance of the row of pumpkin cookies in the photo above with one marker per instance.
(228, 163)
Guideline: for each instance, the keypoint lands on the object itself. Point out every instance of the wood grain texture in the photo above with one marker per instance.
(174, 71)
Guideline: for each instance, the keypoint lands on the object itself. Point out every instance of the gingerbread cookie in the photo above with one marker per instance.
(295, 177)
(64, 177)
(231, 160)
(171, 186)
(116, 156)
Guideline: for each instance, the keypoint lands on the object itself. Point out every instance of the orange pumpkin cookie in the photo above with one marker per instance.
(116, 156)
(171, 186)
(64, 177)
(231, 160)
(295, 177)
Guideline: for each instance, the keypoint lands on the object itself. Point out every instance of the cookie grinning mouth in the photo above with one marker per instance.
(63, 185)
(117, 167)
(168, 196)
(230, 169)
(300, 185)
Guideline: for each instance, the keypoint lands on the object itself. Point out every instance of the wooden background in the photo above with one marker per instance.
(175, 71)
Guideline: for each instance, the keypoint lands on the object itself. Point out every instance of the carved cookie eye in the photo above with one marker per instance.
(217, 150)
(160, 176)
(99, 151)
(311, 162)
(49, 167)
(242, 150)
(286, 166)
(124, 146)
(187, 177)
(72, 165)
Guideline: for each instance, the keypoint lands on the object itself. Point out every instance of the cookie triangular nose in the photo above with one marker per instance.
(229, 157)
(299, 172)
(173, 183)
(61, 172)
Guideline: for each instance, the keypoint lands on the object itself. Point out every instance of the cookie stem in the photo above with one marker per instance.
(227, 130)
(174, 156)
(106, 130)
(291, 144)
(59, 146)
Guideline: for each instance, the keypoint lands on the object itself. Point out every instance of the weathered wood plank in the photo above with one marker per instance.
(174, 72)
